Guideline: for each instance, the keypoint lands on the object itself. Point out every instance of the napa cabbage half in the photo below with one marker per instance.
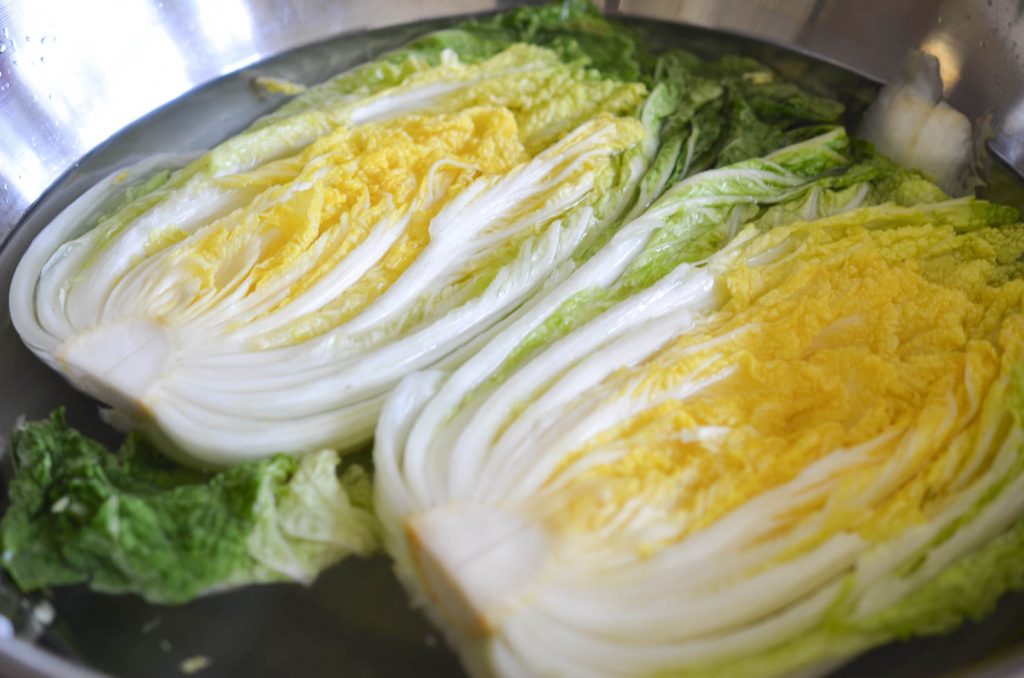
(774, 421)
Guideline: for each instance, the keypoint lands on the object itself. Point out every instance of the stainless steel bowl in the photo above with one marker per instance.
(88, 86)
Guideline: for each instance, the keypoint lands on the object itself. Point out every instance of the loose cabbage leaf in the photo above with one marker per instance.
(132, 521)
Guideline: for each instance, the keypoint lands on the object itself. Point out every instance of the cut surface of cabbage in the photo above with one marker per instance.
(264, 299)
(775, 421)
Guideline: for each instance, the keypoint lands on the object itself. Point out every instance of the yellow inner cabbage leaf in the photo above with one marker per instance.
(877, 342)
(323, 202)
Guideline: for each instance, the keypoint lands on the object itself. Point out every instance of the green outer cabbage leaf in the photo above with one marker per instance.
(135, 522)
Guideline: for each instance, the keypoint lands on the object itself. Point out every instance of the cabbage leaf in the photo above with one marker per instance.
(135, 522)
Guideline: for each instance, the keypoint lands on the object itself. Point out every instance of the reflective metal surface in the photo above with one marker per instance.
(72, 74)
